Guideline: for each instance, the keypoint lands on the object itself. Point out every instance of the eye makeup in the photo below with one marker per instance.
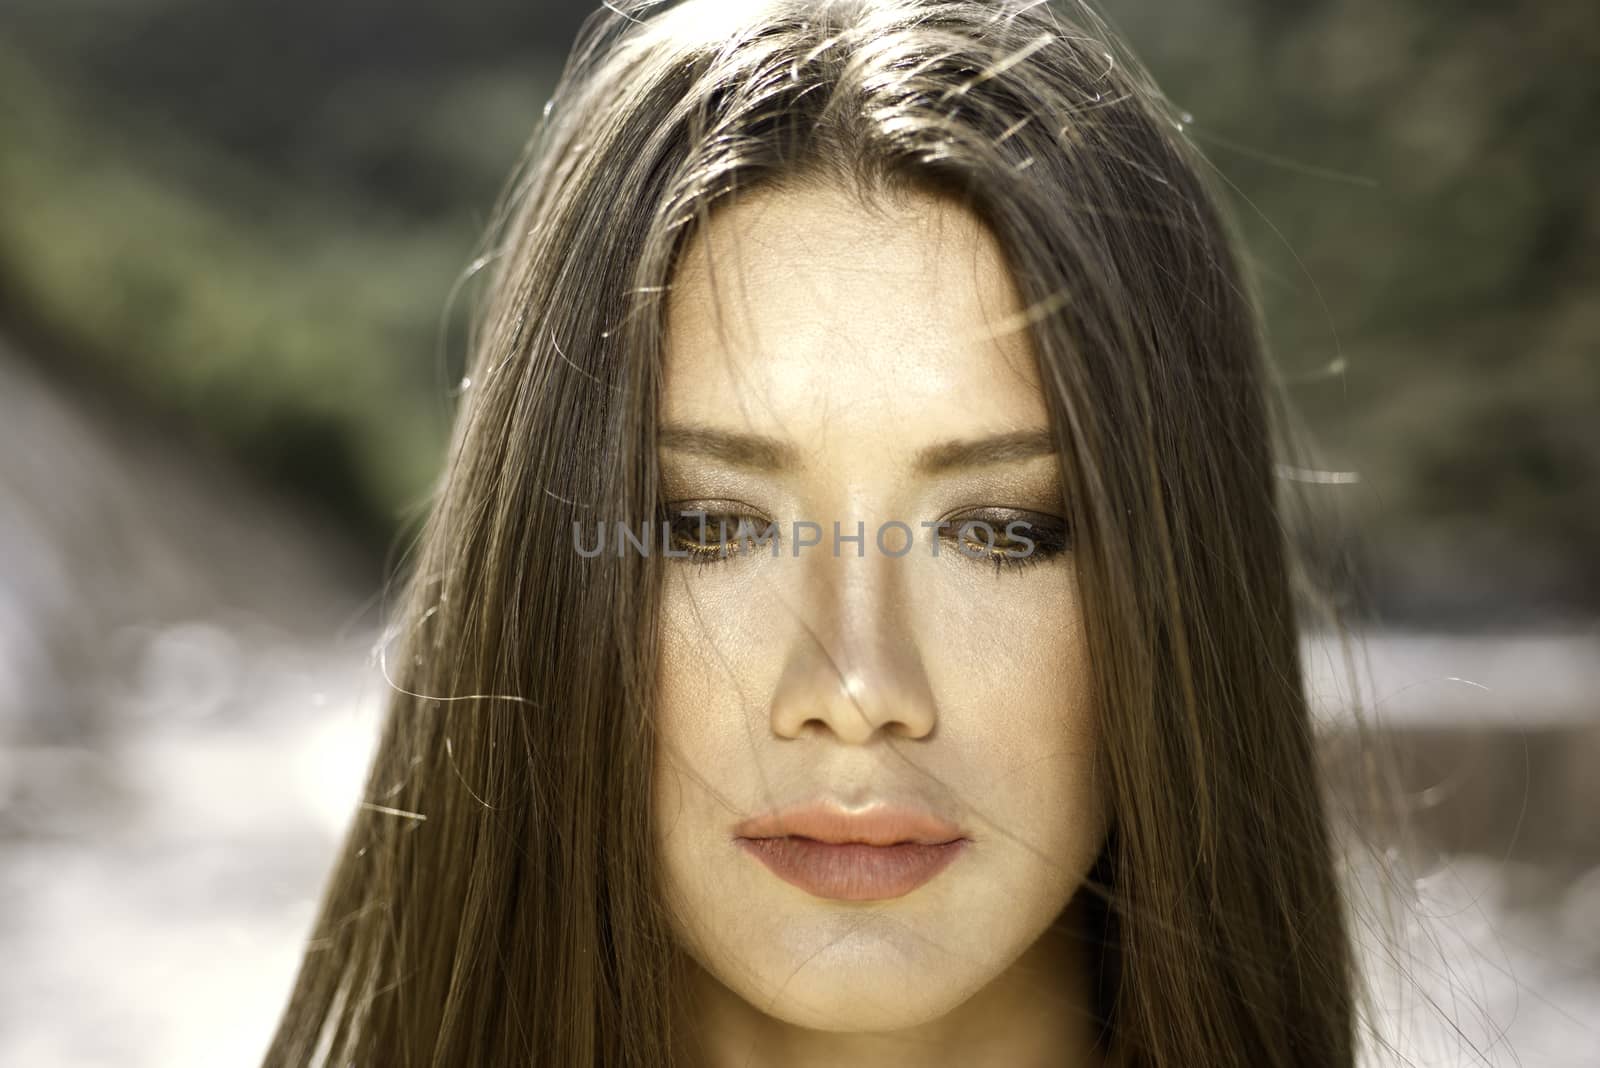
(1009, 538)
(704, 532)
(710, 531)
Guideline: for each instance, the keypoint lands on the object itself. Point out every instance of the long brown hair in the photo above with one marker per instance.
(497, 899)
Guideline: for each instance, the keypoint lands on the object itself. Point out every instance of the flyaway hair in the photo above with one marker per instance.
(498, 898)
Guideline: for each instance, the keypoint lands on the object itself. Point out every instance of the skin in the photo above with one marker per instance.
(856, 342)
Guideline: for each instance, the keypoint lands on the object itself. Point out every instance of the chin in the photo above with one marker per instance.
(858, 1000)
(856, 970)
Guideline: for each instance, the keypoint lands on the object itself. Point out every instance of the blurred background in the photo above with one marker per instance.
(230, 231)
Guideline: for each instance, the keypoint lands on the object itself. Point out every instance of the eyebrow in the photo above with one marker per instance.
(755, 451)
(983, 452)
(762, 453)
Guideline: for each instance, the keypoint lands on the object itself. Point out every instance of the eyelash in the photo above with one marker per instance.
(1049, 534)
(701, 555)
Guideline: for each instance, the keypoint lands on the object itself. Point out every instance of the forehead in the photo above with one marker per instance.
(804, 314)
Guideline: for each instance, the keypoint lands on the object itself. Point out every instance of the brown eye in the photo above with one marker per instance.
(974, 537)
(708, 535)
(1006, 537)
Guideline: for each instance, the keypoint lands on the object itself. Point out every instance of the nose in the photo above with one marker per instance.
(854, 668)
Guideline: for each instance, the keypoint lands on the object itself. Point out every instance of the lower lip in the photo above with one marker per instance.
(852, 871)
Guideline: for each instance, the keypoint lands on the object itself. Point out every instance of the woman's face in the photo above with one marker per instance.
(876, 785)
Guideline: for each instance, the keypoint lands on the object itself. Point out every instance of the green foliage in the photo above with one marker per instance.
(1417, 184)
(299, 330)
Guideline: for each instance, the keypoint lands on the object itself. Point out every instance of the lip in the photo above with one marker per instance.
(872, 854)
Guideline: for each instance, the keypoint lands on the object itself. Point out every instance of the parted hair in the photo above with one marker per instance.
(497, 900)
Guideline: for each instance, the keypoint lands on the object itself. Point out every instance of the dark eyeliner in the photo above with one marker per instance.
(1049, 534)
(689, 523)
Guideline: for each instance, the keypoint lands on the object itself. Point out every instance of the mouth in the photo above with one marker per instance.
(869, 855)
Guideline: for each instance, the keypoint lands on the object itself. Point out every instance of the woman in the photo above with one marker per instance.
(679, 772)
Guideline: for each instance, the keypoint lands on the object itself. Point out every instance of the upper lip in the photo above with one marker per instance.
(879, 824)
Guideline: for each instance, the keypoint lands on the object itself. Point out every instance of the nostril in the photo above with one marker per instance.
(854, 687)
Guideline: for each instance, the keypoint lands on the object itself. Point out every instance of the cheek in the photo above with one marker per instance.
(704, 749)
(1015, 682)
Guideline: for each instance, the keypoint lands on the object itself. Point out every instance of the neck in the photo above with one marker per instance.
(1038, 1012)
